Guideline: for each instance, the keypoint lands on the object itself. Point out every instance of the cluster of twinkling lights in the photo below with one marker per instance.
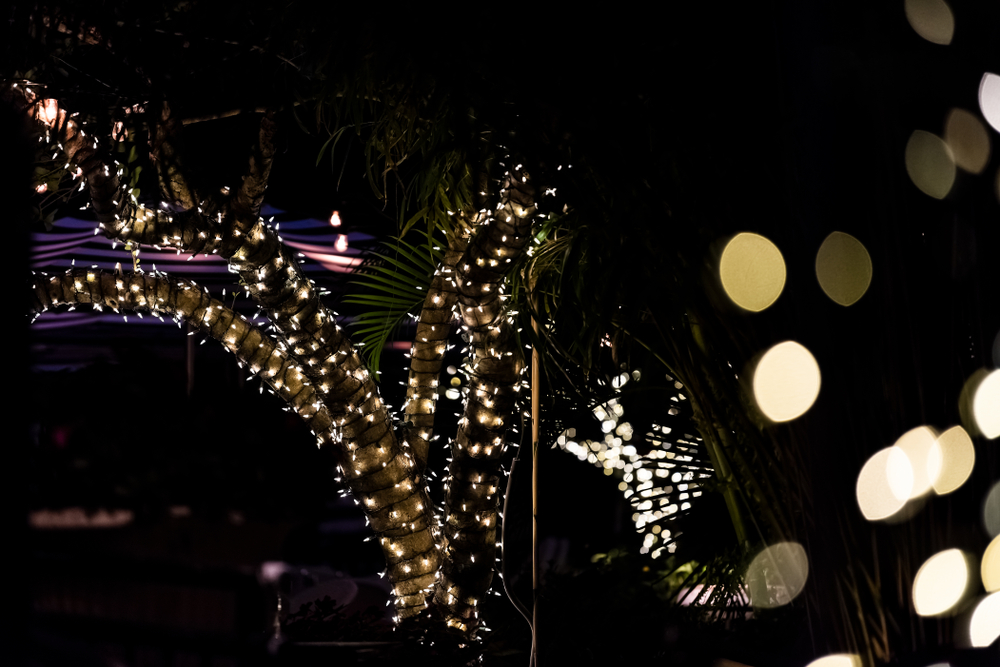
(659, 485)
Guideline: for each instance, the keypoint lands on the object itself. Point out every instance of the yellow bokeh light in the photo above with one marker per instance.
(986, 405)
(931, 19)
(930, 164)
(990, 567)
(786, 381)
(940, 583)
(881, 494)
(752, 271)
(921, 448)
(989, 99)
(984, 626)
(777, 575)
(968, 140)
(837, 660)
(843, 268)
(957, 457)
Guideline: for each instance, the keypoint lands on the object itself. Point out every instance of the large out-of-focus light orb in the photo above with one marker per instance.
(989, 99)
(968, 140)
(843, 268)
(884, 484)
(931, 19)
(990, 567)
(986, 405)
(991, 511)
(786, 381)
(984, 626)
(777, 574)
(940, 583)
(930, 164)
(957, 457)
(921, 448)
(837, 660)
(752, 271)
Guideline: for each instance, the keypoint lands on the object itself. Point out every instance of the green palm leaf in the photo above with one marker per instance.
(393, 285)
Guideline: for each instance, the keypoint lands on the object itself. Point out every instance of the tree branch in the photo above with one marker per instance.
(472, 496)
(185, 300)
(427, 353)
(250, 196)
(174, 183)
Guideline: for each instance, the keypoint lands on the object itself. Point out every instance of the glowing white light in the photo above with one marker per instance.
(984, 626)
(837, 660)
(940, 583)
(786, 381)
(957, 457)
(989, 99)
(986, 405)
(335, 219)
(881, 495)
(921, 448)
(341, 243)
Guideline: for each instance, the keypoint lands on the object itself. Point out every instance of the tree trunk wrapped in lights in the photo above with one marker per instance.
(495, 365)
(312, 364)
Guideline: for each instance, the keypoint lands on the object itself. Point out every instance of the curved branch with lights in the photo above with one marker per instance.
(427, 353)
(186, 301)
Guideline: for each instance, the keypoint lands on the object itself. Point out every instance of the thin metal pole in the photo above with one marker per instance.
(536, 565)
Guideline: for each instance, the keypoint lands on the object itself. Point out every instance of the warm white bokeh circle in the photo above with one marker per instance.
(931, 19)
(930, 164)
(837, 660)
(968, 139)
(777, 574)
(986, 405)
(957, 458)
(752, 271)
(940, 582)
(990, 567)
(884, 484)
(984, 626)
(843, 268)
(786, 381)
(921, 448)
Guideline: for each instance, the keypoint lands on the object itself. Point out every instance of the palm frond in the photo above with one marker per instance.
(393, 285)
